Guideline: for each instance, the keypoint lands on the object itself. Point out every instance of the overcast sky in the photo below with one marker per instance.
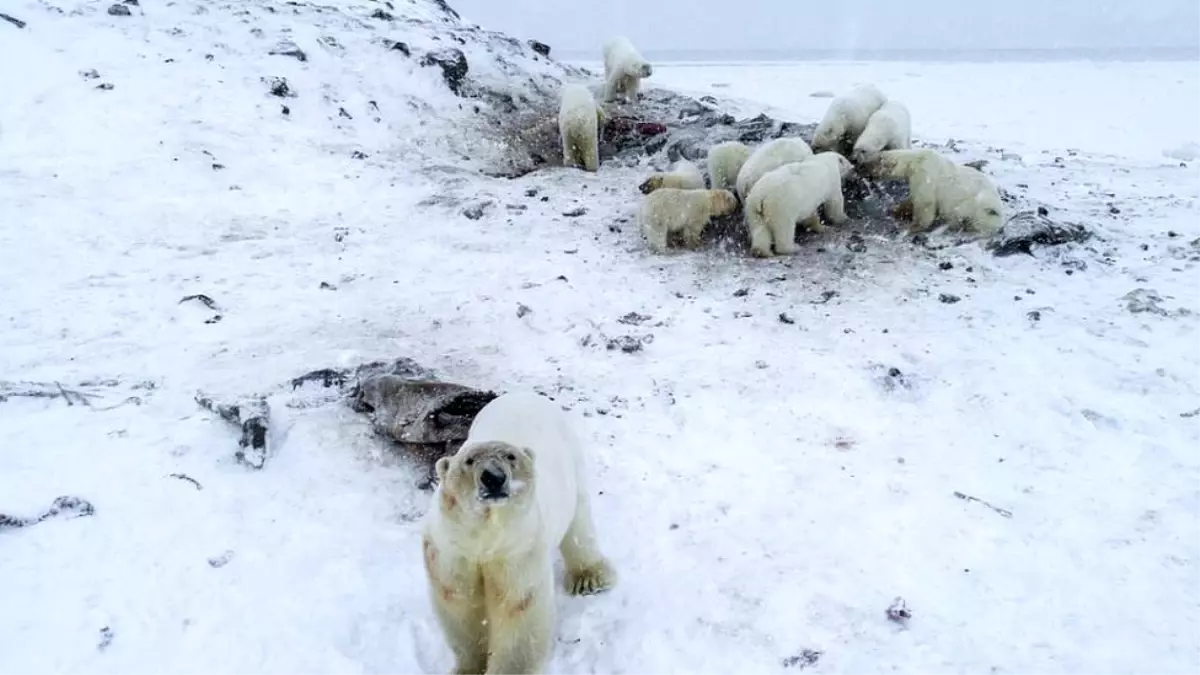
(574, 25)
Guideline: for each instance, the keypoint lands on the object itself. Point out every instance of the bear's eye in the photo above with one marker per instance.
(512, 457)
(470, 462)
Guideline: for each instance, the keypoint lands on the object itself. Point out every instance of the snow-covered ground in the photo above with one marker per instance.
(765, 488)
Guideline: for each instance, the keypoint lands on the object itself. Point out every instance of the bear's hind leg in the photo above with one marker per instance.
(587, 570)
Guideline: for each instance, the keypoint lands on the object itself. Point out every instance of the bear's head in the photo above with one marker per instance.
(828, 135)
(651, 184)
(646, 70)
(723, 202)
(878, 166)
(487, 476)
(844, 165)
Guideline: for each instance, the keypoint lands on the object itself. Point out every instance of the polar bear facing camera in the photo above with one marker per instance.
(938, 188)
(688, 211)
(846, 118)
(790, 194)
(889, 128)
(513, 492)
(768, 156)
(725, 160)
(624, 69)
(579, 126)
(683, 175)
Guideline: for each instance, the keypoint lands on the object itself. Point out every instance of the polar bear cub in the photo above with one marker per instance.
(673, 210)
(768, 156)
(938, 188)
(725, 160)
(683, 175)
(579, 126)
(513, 492)
(889, 128)
(791, 194)
(624, 69)
(846, 118)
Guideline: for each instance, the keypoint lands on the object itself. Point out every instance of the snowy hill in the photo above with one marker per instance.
(785, 447)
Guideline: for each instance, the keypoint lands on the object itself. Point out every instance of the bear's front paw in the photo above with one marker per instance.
(591, 579)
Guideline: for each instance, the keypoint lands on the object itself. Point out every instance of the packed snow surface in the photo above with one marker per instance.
(775, 467)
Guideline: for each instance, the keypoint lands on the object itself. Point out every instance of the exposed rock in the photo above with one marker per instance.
(539, 47)
(13, 20)
(278, 86)
(119, 10)
(446, 8)
(62, 507)
(398, 46)
(475, 211)
(289, 48)
(1144, 301)
(453, 63)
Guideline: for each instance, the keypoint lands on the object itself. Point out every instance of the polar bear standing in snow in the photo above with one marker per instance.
(579, 126)
(938, 188)
(683, 175)
(673, 210)
(725, 160)
(846, 118)
(790, 194)
(889, 128)
(768, 156)
(624, 69)
(513, 492)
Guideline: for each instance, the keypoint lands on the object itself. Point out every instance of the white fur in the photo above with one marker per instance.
(725, 160)
(624, 69)
(938, 188)
(683, 175)
(768, 156)
(578, 125)
(674, 210)
(489, 563)
(790, 194)
(889, 128)
(846, 118)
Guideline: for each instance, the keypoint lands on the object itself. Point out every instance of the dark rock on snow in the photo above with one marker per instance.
(453, 63)
(13, 20)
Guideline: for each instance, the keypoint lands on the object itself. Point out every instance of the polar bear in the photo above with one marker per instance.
(683, 175)
(846, 118)
(672, 210)
(513, 492)
(624, 69)
(889, 128)
(579, 125)
(768, 156)
(938, 188)
(791, 194)
(725, 160)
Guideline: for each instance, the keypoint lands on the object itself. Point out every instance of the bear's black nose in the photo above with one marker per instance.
(492, 481)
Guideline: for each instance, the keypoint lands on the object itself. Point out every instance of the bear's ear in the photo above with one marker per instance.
(528, 452)
(442, 467)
